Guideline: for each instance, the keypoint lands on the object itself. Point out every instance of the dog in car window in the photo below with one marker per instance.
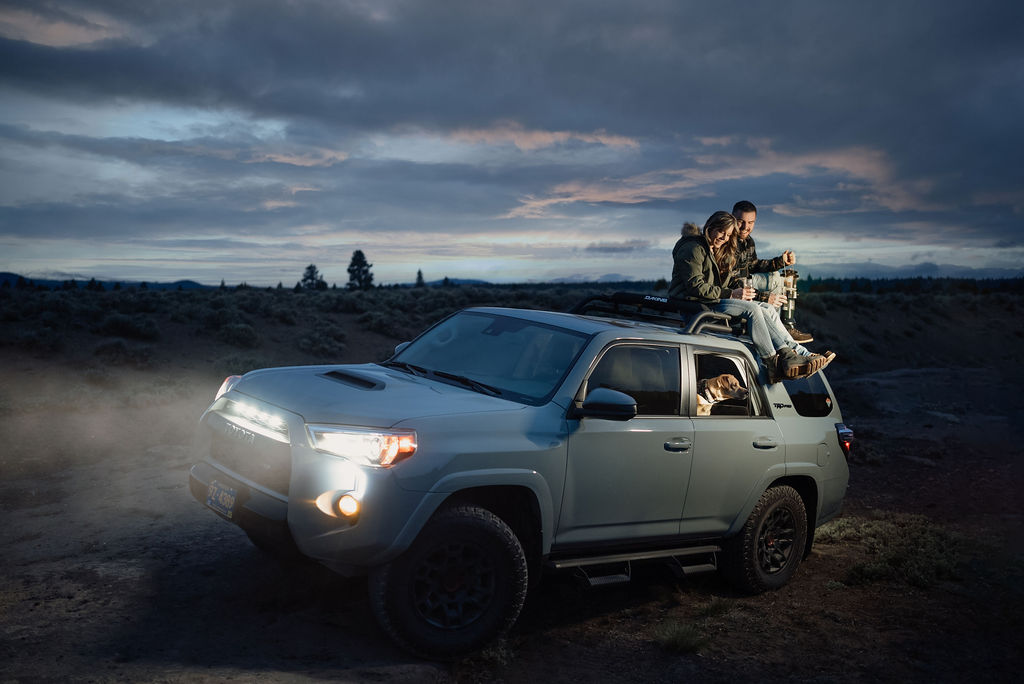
(710, 391)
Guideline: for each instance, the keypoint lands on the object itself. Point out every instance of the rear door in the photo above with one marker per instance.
(735, 448)
(628, 479)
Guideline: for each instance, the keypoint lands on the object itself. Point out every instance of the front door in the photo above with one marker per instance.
(628, 479)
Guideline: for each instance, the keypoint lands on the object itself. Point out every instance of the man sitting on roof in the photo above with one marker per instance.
(763, 272)
(696, 276)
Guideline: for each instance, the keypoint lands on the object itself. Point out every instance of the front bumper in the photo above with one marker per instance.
(262, 516)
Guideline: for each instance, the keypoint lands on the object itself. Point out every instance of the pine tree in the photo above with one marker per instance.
(359, 275)
(419, 279)
(312, 280)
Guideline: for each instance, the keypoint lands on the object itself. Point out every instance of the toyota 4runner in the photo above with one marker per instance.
(501, 442)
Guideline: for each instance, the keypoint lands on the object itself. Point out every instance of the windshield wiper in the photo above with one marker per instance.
(476, 385)
(407, 367)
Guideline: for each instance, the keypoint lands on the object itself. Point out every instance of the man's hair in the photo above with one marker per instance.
(742, 207)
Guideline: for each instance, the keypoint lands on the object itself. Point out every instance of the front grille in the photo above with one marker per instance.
(264, 461)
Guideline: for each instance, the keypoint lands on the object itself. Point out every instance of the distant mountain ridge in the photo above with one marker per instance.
(11, 279)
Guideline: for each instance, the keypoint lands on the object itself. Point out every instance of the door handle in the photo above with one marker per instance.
(765, 443)
(678, 444)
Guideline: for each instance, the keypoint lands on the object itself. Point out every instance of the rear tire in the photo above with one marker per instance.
(766, 552)
(460, 585)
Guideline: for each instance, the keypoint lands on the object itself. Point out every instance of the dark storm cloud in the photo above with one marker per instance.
(919, 103)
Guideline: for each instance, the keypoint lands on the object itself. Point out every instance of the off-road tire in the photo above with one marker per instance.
(460, 585)
(767, 550)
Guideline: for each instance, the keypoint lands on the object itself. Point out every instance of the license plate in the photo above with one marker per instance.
(221, 499)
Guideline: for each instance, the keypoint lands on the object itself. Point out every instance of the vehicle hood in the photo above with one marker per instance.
(365, 394)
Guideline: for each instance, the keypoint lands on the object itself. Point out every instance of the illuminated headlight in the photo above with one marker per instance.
(257, 420)
(372, 447)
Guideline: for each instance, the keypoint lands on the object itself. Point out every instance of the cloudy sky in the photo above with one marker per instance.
(505, 140)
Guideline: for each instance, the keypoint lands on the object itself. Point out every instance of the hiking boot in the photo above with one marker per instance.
(799, 336)
(818, 361)
(789, 365)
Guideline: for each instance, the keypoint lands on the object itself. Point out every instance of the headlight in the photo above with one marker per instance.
(372, 447)
(226, 386)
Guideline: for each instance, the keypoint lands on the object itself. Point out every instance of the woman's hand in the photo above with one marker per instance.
(746, 293)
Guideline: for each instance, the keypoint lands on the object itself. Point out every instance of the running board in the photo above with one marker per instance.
(622, 574)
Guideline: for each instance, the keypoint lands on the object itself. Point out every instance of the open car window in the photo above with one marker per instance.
(722, 386)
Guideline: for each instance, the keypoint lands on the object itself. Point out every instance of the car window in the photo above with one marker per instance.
(524, 360)
(810, 396)
(649, 374)
(722, 388)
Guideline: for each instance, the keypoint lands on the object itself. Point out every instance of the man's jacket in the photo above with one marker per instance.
(695, 274)
(747, 261)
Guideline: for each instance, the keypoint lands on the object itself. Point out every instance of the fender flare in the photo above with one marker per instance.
(472, 479)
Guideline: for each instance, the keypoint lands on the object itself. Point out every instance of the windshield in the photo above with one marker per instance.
(499, 355)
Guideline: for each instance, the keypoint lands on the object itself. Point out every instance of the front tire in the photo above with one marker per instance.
(766, 552)
(461, 584)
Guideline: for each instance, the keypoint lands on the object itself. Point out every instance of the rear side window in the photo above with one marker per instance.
(722, 387)
(810, 396)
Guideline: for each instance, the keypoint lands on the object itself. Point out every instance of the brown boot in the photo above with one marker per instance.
(789, 365)
(817, 362)
(799, 336)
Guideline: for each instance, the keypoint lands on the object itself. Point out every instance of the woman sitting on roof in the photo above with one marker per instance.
(696, 276)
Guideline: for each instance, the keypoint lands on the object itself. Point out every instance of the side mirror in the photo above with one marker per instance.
(400, 346)
(607, 404)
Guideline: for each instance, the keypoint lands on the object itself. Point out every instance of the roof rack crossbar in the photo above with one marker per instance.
(692, 317)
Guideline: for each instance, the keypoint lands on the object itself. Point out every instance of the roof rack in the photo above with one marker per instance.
(692, 317)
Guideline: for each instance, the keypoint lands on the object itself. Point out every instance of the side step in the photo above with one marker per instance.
(688, 560)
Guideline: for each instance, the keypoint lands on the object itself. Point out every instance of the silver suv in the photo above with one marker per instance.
(502, 441)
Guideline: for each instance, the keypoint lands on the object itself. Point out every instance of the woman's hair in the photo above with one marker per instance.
(724, 256)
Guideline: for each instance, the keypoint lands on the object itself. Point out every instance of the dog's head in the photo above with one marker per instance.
(726, 386)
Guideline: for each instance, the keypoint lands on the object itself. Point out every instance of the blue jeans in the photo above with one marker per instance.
(770, 282)
(766, 329)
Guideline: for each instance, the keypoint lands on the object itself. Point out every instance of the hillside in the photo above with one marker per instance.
(109, 566)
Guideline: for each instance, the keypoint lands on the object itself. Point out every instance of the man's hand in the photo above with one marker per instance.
(777, 300)
(788, 258)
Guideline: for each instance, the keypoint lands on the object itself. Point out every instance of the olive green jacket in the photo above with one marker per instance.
(695, 274)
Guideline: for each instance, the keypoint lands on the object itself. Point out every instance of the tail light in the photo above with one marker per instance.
(845, 438)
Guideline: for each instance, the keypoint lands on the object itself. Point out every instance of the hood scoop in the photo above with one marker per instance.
(352, 380)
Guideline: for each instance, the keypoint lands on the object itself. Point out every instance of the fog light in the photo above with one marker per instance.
(348, 505)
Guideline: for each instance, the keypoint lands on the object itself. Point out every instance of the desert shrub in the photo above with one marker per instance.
(216, 316)
(390, 323)
(716, 607)
(900, 548)
(137, 301)
(812, 303)
(239, 335)
(284, 314)
(251, 302)
(679, 637)
(117, 353)
(237, 364)
(343, 302)
(40, 340)
(325, 341)
(122, 325)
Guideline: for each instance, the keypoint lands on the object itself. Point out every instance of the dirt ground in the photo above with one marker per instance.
(111, 571)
